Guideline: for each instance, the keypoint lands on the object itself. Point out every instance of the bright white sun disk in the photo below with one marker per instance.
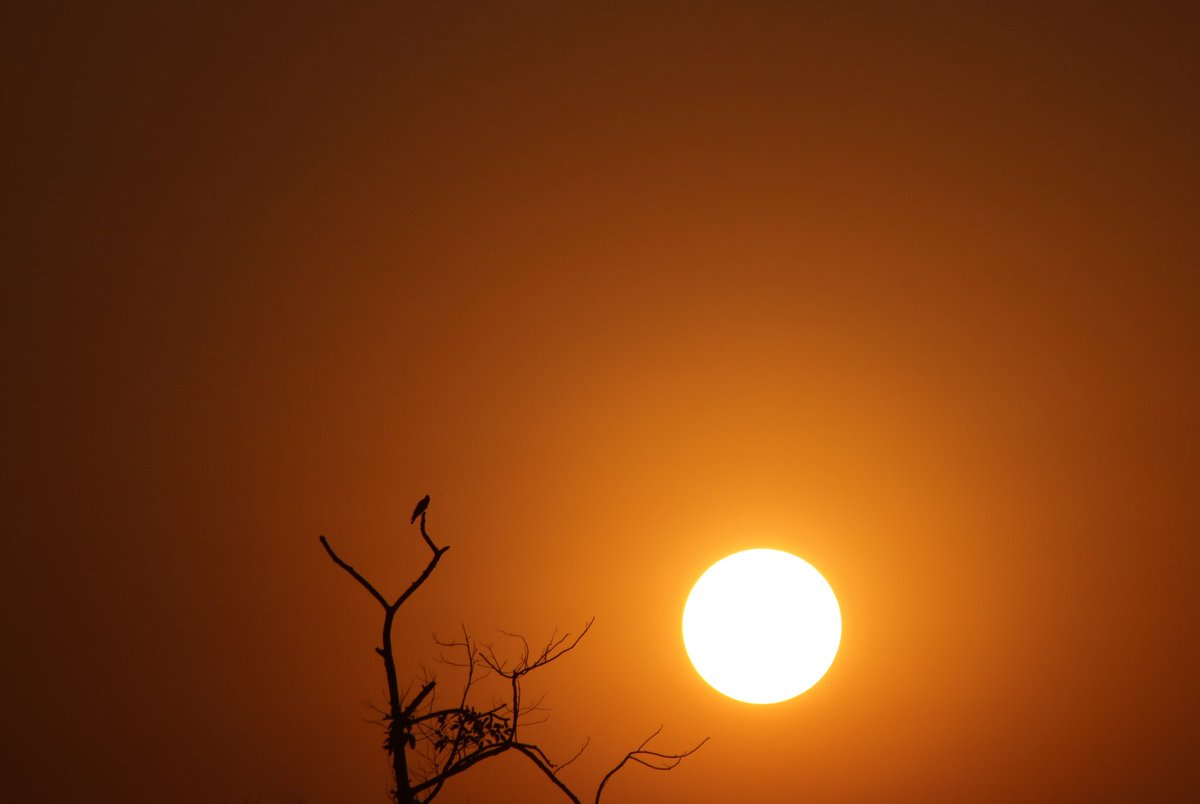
(762, 626)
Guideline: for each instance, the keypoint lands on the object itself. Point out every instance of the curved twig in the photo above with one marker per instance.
(654, 760)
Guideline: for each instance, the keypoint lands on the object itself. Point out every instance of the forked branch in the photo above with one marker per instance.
(438, 552)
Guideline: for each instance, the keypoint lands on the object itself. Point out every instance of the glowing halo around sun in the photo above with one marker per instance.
(762, 626)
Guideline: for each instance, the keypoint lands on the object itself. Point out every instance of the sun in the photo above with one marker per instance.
(762, 626)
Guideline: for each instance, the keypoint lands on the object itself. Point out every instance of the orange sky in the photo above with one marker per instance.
(909, 292)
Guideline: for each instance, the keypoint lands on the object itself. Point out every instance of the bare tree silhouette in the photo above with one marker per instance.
(429, 745)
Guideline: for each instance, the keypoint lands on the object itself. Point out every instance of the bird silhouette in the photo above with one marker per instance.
(420, 509)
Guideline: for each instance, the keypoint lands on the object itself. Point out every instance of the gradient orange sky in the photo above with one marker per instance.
(909, 290)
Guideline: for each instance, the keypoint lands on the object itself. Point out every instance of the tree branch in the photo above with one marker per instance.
(416, 701)
(354, 573)
(533, 752)
(425, 535)
(653, 760)
(438, 552)
(462, 765)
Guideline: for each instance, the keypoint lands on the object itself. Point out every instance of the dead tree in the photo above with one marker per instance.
(429, 745)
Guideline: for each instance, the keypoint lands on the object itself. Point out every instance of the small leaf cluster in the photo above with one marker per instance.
(470, 728)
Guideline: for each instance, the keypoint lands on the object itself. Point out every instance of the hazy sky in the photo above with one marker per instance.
(909, 290)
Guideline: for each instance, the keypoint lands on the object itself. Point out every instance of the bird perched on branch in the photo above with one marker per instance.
(420, 509)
